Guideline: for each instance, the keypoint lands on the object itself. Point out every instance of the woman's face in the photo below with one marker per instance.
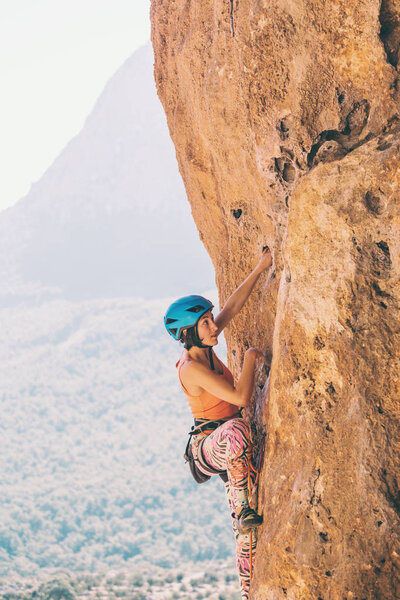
(207, 329)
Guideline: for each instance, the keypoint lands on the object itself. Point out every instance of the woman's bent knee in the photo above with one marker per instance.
(240, 426)
(238, 432)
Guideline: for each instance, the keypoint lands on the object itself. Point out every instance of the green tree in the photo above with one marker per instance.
(137, 580)
(55, 590)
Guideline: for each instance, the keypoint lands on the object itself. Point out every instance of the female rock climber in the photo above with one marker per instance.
(220, 437)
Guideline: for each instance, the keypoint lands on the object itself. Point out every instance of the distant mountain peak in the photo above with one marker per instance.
(109, 217)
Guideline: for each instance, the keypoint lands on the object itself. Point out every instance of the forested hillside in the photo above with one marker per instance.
(93, 432)
(93, 424)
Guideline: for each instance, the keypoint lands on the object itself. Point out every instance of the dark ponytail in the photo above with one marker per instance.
(191, 338)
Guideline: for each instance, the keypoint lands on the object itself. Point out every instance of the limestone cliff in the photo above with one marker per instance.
(285, 119)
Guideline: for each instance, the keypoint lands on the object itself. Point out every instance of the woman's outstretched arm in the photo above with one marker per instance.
(235, 302)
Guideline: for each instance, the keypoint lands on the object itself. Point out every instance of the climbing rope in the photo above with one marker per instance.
(252, 468)
(249, 486)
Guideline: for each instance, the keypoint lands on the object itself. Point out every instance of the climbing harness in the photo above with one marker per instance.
(194, 462)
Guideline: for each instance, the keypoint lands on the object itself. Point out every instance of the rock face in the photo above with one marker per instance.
(285, 119)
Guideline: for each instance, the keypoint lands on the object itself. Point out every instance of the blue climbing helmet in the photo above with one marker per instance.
(185, 312)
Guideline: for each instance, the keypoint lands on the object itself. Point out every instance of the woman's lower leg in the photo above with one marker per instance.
(243, 554)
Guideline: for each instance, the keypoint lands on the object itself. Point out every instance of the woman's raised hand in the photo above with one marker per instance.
(265, 261)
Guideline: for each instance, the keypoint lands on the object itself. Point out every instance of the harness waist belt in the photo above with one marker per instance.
(203, 425)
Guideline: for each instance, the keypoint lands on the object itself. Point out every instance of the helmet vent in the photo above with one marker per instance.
(195, 309)
(173, 330)
(171, 321)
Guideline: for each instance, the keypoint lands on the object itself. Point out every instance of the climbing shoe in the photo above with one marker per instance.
(248, 519)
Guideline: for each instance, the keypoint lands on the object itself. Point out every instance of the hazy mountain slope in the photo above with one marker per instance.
(93, 424)
(93, 432)
(109, 217)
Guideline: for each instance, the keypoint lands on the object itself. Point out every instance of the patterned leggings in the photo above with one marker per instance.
(226, 448)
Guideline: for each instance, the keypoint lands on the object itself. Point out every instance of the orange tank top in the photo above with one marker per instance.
(208, 406)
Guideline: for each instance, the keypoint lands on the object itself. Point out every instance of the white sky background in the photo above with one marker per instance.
(55, 58)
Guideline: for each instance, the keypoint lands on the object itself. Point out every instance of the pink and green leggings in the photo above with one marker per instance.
(226, 449)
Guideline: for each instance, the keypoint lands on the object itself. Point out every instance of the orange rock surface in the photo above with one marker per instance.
(285, 119)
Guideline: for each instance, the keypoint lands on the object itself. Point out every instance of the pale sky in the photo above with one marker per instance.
(55, 58)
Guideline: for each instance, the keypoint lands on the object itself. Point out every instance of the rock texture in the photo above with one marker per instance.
(285, 119)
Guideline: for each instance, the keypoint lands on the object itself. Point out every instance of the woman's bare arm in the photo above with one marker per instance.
(236, 301)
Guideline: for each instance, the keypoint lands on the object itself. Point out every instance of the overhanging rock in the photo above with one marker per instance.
(285, 119)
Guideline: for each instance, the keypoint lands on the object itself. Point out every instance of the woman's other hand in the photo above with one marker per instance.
(256, 354)
(265, 261)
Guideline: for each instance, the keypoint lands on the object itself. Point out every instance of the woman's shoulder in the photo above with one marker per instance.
(185, 363)
(190, 369)
(183, 358)
(188, 372)
(190, 365)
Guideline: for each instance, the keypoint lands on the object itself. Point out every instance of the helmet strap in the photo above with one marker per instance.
(210, 356)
